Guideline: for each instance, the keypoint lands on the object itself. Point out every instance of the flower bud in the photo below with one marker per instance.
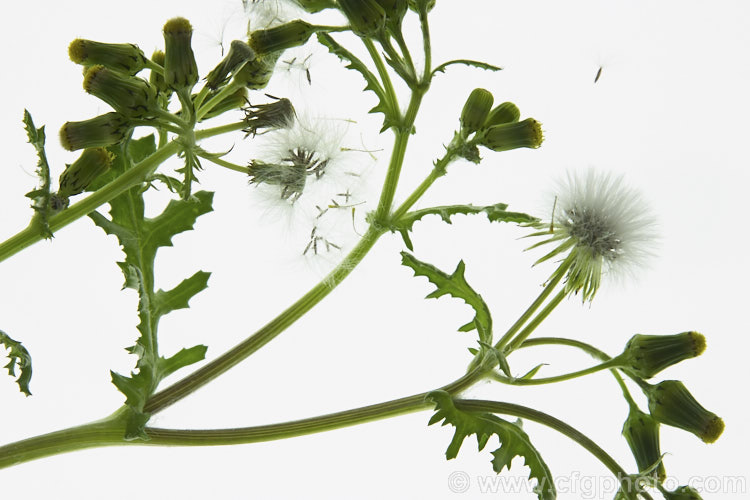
(504, 137)
(641, 432)
(647, 355)
(313, 6)
(506, 112)
(670, 403)
(682, 493)
(77, 176)
(257, 73)
(180, 69)
(156, 79)
(282, 37)
(395, 10)
(239, 53)
(475, 110)
(291, 178)
(366, 17)
(275, 115)
(235, 100)
(129, 95)
(125, 57)
(103, 130)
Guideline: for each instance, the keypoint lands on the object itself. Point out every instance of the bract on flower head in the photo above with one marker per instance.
(605, 225)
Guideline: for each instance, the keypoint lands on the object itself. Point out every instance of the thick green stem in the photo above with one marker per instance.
(384, 77)
(205, 374)
(529, 329)
(130, 178)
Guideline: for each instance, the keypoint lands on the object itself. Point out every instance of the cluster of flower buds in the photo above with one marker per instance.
(498, 128)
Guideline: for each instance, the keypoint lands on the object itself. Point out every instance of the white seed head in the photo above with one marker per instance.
(605, 224)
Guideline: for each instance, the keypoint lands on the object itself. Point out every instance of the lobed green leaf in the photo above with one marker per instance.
(40, 196)
(466, 62)
(18, 357)
(514, 442)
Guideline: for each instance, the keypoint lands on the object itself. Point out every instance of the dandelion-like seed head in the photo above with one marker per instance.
(605, 225)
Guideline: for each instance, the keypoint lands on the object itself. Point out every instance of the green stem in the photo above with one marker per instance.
(383, 72)
(557, 378)
(529, 329)
(382, 214)
(235, 355)
(224, 163)
(216, 99)
(424, 24)
(589, 349)
(548, 289)
(399, 37)
(437, 172)
(130, 178)
(222, 129)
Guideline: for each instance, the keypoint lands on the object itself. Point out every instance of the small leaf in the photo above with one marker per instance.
(40, 196)
(495, 213)
(530, 374)
(513, 441)
(182, 359)
(465, 62)
(456, 286)
(178, 297)
(18, 357)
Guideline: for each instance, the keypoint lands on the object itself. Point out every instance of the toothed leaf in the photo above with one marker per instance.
(495, 213)
(40, 196)
(465, 62)
(456, 286)
(181, 359)
(384, 105)
(178, 297)
(19, 357)
(514, 442)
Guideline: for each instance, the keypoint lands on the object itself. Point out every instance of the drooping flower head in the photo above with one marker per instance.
(604, 224)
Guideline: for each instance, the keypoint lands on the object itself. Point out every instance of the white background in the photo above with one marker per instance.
(669, 111)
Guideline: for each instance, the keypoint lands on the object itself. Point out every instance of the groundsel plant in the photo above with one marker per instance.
(163, 106)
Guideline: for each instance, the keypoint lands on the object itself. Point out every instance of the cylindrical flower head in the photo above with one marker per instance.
(282, 37)
(641, 432)
(257, 73)
(235, 100)
(125, 57)
(682, 493)
(647, 355)
(81, 173)
(275, 115)
(155, 78)
(180, 68)
(103, 130)
(290, 178)
(672, 404)
(476, 109)
(366, 17)
(131, 96)
(504, 137)
(239, 53)
(313, 6)
(506, 112)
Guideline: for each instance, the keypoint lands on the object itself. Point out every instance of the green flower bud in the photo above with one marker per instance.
(124, 57)
(647, 355)
(257, 73)
(313, 6)
(155, 78)
(366, 17)
(129, 95)
(103, 130)
(235, 100)
(506, 112)
(180, 69)
(291, 178)
(276, 115)
(475, 110)
(82, 172)
(641, 432)
(682, 493)
(670, 403)
(239, 53)
(282, 37)
(504, 137)
(395, 10)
